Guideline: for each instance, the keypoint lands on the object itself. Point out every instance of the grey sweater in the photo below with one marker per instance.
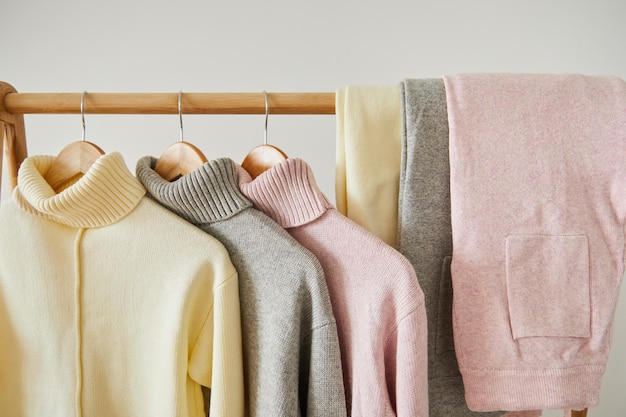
(292, 364)
(425, 234)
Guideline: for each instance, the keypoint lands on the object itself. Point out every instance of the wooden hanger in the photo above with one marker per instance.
(262, 157)
(181, 157)
(74, 160)
(72, 163)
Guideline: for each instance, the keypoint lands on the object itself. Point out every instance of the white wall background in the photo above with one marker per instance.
(279, 45)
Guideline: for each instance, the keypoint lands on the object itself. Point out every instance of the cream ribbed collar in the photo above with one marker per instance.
(205, 195)
(287, 192)
(103, 195)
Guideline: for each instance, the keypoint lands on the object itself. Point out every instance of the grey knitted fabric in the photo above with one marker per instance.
(425, 234)
(292, 364)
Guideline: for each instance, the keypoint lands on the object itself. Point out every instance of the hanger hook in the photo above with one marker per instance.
(267, 113)
(82, 112)
(180, 113)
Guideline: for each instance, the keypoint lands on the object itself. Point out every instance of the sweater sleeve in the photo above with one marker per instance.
(216, 360)
(406, 363)
(325, 395)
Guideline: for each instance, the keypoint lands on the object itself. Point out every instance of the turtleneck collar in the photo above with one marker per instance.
(103, 195)
(287, 192)
(205, 195)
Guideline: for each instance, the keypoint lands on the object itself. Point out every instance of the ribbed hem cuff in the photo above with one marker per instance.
(518, 389)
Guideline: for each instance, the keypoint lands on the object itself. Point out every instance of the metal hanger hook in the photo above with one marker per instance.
(267, 113)
(180, 113)
(82, 112)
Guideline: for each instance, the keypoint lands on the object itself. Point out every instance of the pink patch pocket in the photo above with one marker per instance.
(547, 280)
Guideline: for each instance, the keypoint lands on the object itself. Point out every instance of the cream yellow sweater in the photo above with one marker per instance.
(368, 153)
(110, 305)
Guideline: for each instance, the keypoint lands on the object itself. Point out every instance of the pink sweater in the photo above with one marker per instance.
(538, 199)
(375, 296)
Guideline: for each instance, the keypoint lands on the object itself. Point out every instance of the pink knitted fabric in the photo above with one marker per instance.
(376, 299)
(538, 199)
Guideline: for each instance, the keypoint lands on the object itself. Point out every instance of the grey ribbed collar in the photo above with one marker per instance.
(206, 195)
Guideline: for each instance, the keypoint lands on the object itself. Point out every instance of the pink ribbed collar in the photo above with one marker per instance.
(287, 192)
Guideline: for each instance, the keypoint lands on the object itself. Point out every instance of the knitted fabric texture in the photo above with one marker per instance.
(377, 302)
(291, 352)
(538, 205)
(110, 304)
(425, 234)
(369, 137)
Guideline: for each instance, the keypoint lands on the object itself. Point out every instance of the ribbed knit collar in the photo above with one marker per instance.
(103, 195)
(206, 195)
(287, 192)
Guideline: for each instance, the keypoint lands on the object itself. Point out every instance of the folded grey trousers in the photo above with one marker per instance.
(425, 235)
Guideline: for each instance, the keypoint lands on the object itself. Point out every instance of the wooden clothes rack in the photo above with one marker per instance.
(14, 105)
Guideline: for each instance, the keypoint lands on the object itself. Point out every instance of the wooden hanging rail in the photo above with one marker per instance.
(167, 103)
(13, 105)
